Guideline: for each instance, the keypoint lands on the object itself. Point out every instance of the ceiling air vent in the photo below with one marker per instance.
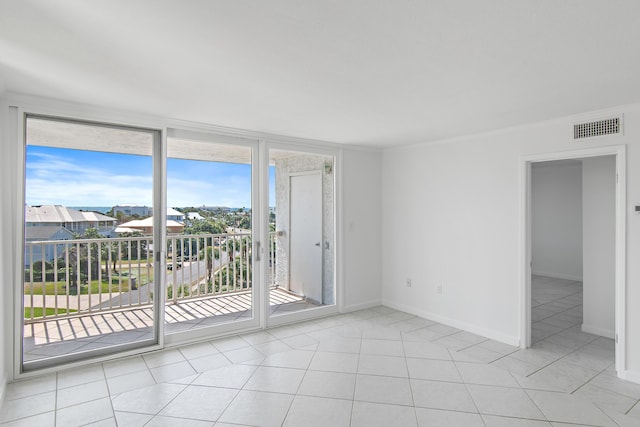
(612, 126)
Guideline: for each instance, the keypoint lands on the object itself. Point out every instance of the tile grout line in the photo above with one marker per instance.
(55, 403)
(637, 404)
(355, 382)
(526, 392)
(561, 357)
(413, 401)
(306, 370)
(394, 325)
(589, 380)
(606, 414)
(466, 387)
(106, 383)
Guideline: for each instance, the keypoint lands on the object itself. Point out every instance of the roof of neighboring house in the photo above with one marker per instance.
(174, 212)
(194, 215)
(46, 232)
(58, 213)
(126, 230)
(96, 216)
(172, 223)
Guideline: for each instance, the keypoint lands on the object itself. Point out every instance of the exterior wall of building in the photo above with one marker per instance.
(300, 162)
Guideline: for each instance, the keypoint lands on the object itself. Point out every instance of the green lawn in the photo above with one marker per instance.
(59, 288)
(118, 284)
(37, 312)
(142, 262)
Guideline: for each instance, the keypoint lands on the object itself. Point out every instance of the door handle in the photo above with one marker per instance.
(318, 244)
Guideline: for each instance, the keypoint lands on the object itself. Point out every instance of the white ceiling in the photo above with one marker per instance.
(368, 72)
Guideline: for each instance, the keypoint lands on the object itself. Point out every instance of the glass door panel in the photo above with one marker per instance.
(89, 272)
(210, 272)
(301, 239)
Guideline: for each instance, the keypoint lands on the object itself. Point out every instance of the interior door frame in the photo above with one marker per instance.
(619, 152)
(296, 174)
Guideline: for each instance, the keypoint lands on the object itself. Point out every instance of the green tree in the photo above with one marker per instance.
(240, 269)
(205, 226)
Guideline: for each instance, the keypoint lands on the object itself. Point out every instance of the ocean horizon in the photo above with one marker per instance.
(101, 209)
(105, 209)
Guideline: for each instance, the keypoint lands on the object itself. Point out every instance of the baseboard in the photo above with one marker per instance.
(631, 376)
(557, 275)
(360, 306)
(3, 389)
(469, 327)
(590, 329)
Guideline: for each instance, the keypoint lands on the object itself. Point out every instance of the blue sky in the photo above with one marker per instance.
(87, 178)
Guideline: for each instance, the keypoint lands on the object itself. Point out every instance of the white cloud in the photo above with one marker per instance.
(192, 192)
(54, 180)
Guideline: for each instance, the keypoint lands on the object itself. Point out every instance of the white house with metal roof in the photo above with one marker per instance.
(56, 222)
(175, 215)
(145, 226)
(76, 222)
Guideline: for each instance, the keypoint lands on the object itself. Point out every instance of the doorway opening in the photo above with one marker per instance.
(302, 237)
(574, 256)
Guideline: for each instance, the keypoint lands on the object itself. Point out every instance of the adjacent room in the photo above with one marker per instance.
(320, 213)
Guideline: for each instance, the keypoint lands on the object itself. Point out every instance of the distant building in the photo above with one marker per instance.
(47, 232)
(130, 210)
(175, 215)
(146, 211)
(34, 253)
(76, 222)
(194, 216)
(145, 226)
(55, 222)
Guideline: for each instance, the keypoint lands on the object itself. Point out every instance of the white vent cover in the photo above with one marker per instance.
(611, 126)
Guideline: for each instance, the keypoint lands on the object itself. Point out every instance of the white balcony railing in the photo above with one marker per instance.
(64, 278)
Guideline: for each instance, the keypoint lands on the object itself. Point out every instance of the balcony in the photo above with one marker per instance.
(91, 293)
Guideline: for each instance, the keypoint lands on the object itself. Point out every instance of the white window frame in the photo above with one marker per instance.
(14, 107)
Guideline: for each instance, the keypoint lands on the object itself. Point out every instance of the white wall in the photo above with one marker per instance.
(556, 219)
(451, 216)
(599, 245)
(361, 198)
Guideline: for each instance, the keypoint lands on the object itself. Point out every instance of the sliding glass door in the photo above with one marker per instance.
(90, 269)
(211, 278)
(132, 242)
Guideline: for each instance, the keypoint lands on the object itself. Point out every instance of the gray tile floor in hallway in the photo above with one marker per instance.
(375, 367)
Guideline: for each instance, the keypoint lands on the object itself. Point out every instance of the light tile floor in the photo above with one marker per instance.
(556, 305)
(374, 367)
